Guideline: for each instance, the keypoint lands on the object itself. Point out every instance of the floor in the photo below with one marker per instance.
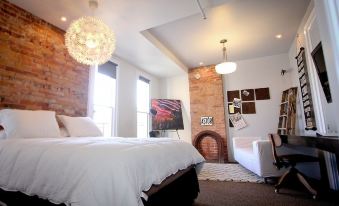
(222, 193)
(216, 193)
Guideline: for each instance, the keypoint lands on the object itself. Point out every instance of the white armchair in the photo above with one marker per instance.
(256, 155)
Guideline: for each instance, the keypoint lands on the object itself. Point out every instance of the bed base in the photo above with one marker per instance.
(180, 192)
(180, 189)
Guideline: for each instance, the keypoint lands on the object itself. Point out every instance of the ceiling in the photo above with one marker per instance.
(250, 26)
(166, 37)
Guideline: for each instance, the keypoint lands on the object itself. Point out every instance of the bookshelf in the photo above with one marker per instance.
(287, 114)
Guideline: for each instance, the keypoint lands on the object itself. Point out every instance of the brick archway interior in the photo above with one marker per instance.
(211, 145)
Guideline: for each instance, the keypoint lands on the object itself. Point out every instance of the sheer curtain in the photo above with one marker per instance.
(90, 103)
(102, 97)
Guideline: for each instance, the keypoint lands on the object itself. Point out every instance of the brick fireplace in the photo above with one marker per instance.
(207, 99)
(211, 145)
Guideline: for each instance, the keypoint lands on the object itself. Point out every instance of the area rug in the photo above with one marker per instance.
(228, 172)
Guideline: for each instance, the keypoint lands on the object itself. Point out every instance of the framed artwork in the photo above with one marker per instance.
(238, 121)
(166, 114)
(232, 109)
(247, 95)
(206, 121)
(262, 93)
(248, 108)
(231, 95)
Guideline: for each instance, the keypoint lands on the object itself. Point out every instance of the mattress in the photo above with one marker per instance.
(93, 170)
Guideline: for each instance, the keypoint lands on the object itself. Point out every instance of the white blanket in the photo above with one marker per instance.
(91, 171)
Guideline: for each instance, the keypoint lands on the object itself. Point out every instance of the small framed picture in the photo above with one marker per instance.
(206, 121)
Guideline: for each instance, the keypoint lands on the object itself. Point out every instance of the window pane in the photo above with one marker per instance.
(143, 104)
(143, 96)
(103, 118)
(104, 103)
(104, 90)
(142, 124)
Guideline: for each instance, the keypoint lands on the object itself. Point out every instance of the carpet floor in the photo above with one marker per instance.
(215, 193)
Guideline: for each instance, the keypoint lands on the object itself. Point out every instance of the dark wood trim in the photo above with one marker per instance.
(326, 143)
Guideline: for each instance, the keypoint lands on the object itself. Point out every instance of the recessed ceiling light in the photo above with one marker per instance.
(201, 63)
(63, 18)
(278, 36)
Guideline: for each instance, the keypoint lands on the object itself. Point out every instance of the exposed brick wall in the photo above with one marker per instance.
(207, 99)
(36, 71)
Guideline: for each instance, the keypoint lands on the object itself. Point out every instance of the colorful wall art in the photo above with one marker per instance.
(166, 114)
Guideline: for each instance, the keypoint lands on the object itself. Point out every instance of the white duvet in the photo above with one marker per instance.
(94, 171)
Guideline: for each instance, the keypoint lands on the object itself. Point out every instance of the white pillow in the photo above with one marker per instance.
(64, 132)
(29, 124)
(2, 134)
(80, 126)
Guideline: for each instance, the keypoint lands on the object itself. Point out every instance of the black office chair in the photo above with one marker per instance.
(154, 133)
(290, 160)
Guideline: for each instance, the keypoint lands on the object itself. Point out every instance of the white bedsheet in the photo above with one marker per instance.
(91, 171)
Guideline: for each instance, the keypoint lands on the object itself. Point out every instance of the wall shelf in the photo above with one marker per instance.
(287, 115)
(305, 91)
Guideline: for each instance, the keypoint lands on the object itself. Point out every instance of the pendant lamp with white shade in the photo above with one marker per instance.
(225, 67)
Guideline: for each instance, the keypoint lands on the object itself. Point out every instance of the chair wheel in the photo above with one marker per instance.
(276, 190)
(315, 197)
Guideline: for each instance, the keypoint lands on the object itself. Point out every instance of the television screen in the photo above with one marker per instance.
(166, 114)
(319, 62)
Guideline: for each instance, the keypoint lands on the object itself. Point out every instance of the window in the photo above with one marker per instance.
(104, 98)
(143, 102)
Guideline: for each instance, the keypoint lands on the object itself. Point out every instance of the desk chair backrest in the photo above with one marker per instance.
(276, 142)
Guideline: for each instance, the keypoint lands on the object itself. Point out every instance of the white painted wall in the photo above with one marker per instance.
(178, 88)
(259, 73)
(293, 73)
(127, 76)
(329, 35)
(314, 32)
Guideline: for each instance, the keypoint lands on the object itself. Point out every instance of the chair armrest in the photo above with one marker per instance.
(263, 148)
(244, 141)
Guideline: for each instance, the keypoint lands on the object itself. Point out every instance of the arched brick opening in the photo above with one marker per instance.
(210, 144)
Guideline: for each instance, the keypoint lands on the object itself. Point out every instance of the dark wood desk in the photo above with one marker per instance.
(321, 143)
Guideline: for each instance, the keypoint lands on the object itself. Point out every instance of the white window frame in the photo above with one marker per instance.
(93, 70)
(314, 82)
(145, 112)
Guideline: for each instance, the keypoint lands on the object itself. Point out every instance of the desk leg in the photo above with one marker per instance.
(323, 169)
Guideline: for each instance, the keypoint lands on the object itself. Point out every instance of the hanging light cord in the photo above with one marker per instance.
(224, 52)
(201, 10)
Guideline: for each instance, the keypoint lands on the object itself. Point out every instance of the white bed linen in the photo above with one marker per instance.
(91, 171)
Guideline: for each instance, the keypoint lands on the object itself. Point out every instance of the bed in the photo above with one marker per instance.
(98, 170)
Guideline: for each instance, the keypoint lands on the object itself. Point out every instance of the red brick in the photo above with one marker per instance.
(207, 99)
(36, 71)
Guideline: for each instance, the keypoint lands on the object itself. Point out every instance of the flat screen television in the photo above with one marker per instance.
(166, 114)
(319, 62)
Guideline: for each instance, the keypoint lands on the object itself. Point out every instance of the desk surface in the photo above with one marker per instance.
(326, 143)
(322, 143)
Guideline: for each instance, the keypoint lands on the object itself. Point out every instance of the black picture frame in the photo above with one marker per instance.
(320, 65)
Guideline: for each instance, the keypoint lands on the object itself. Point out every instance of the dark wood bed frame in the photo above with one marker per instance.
(180, 189)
